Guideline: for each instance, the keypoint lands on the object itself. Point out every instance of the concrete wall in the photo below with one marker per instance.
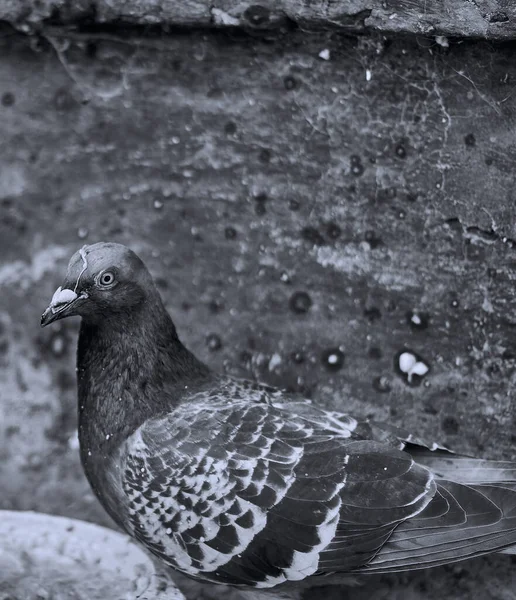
(311, 206)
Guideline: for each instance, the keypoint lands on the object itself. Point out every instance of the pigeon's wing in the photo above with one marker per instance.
(472, 513)
(405, 439)
(258, 494)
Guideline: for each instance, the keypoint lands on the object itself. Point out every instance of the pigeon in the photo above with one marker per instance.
(234, 482)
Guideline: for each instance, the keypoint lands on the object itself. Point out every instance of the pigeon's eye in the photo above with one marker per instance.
(107, 278)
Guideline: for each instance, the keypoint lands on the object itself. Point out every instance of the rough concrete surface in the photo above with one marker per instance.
(492, 19)
(311, 206)
(45, 557)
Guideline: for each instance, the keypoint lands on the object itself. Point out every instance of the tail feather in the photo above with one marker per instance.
(465, 469)
(472, 513)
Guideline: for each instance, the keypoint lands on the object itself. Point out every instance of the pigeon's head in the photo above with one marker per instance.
(102, 280)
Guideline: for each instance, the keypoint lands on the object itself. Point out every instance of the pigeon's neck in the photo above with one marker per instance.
(128, 370)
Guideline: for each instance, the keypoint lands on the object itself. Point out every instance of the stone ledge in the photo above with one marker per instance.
(490, 19)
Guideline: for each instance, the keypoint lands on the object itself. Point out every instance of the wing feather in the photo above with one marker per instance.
(237, 486)
(248, 493)
(479, 519)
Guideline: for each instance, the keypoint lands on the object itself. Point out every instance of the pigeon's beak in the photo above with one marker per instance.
(63, 304)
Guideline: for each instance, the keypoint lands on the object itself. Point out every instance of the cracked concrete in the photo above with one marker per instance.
(490, 19)
(307, 219)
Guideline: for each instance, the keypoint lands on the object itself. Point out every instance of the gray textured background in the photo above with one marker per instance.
(374, 175)
(493, 19)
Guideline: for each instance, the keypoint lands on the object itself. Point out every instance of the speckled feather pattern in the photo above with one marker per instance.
(237, 487)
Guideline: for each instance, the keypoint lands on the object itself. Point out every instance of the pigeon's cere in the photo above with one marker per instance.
(230, 481)
(60, 298)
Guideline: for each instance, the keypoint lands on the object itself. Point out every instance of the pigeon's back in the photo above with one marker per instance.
(236, 486)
